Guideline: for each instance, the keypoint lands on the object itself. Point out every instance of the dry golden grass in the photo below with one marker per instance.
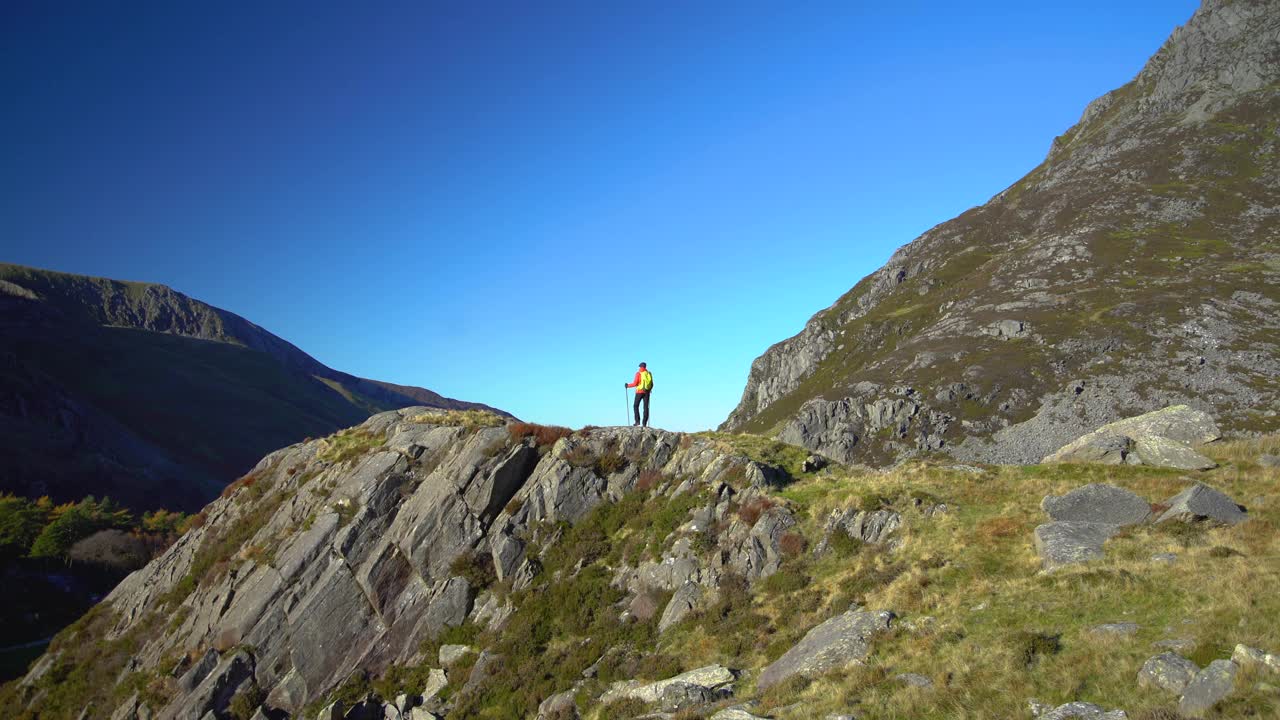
(469, 419)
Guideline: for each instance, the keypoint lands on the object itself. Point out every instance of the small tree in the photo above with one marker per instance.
(20, 524)
(74, 522)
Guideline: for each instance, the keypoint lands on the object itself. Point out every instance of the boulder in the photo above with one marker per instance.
(710, 677)
(1245, 656)
(1269, 460)
(451, 654)
(813, 463)
(1162, 438)
(679, 696)
(835, 643)
(1071, 541)
(1162, 452)
(1099, 448)
(1208, 688)
(1084, 711)
(1201, 503)
(436, 681)
(1168, 671)
(1176, 422)
(560, 706)
(1098, 502)
(682, 603)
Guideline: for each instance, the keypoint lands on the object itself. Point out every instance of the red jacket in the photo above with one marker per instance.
(636, 383)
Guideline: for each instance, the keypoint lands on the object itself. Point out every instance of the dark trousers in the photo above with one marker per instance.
(642, 396)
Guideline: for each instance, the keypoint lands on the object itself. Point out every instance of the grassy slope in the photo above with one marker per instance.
(1155, 267)
(213, 407)
(969, 583)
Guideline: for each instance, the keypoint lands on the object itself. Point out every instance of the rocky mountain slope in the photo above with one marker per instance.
(429, 564)
(99, 379)
(1137, 266)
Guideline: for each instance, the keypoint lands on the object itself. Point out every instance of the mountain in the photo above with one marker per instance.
(139, 392)
(1138, 266)
(433, 564)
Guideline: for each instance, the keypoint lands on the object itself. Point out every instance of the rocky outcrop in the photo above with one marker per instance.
(344, 555)
(1023, 324)
(842, 640)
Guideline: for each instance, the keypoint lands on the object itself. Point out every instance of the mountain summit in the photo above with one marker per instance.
(1138, 266)
(140, 392)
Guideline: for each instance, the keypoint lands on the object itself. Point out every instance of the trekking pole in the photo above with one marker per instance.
(626, 407)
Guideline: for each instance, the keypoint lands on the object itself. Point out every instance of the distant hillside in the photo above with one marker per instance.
(1138, 266)
(139, 392)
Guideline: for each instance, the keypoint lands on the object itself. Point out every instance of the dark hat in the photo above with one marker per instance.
(643, 365)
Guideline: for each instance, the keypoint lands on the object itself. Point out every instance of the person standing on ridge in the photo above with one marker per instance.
(643, 384)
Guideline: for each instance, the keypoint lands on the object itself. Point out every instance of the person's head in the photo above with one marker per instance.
(642, 366)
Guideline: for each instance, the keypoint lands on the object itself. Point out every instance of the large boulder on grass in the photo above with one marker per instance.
(1209, 687)
(1163, 438)
(1100, 503)
(1071, 541)
(1201, 503)
(842, 640)
(1168, 671)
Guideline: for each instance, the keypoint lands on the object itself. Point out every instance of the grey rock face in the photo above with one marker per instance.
(364, 553)
(215, 692)
(1167, 671)
(682, 603)
(837, 642)
(1201, 503)
(1098, 503)
(1069, 542)
(1209, 687)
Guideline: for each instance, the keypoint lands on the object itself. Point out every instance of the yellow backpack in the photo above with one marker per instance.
(646, 381)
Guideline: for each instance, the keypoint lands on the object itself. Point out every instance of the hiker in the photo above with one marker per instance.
(644, 387)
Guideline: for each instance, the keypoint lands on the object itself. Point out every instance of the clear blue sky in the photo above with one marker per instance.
(516, 202)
